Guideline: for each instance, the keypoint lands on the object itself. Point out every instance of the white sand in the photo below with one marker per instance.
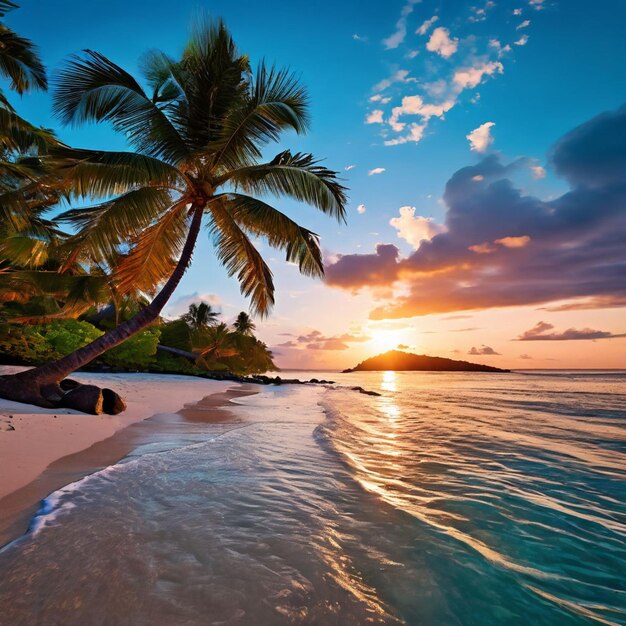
(42, 436)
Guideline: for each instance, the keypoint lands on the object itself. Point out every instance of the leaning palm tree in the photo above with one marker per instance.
(243, 324)
(198, 131)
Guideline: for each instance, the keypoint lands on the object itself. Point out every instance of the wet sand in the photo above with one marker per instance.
(106, 441)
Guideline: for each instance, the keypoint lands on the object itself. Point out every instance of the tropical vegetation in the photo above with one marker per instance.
(198, 128)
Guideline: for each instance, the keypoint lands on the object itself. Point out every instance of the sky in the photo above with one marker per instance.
(484, 146)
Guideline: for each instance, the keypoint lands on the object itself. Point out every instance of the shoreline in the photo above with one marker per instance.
(42, 453)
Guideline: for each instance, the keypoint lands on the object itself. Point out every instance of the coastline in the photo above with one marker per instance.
(42, 450)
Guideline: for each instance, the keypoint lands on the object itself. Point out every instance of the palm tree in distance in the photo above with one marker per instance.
(244, 324)
(198, 131)
(200, 316)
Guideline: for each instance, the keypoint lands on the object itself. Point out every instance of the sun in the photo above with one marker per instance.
(385, 340)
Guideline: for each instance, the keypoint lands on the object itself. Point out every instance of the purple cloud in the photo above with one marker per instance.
(574, 246)
(483, 351)
(540, 332)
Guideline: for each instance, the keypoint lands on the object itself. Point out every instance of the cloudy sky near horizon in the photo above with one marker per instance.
(484, 145)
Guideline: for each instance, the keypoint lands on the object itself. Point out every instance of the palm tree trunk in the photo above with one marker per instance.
(31, 386)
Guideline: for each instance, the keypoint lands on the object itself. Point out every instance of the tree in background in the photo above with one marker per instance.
(244, 324)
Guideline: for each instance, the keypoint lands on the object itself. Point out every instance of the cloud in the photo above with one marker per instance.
(399, 76)
(480, 138)
(540, 332)
(361, 209)
(483, 351)
(180, 305)
(347, 168)
(316, 340)
(524, 24)
(522, 41)
(441, 43)
(357, 37)
(536, 4)
(376, 170)
(425, 27)
(576, 252)
(397, 37)
(525, 356)
(517, 11)
(375, 117)
(414, 228)
(402, 346)
(415, 134)
(470, 77)
(538, 171)
(514, 242)
(379, 98)
(415, 105)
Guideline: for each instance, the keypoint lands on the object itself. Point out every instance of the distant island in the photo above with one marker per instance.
(395, 360)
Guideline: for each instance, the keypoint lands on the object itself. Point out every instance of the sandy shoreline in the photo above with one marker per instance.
(44, 449)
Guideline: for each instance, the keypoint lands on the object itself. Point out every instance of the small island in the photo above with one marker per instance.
(396, 360)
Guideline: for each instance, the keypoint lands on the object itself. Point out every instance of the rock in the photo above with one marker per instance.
(365, 391)
(69, 383)
(112, 403)
(53, 393)
(278, 380)
(84, 398)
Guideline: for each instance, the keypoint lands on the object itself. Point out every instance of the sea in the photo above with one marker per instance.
(449, 499)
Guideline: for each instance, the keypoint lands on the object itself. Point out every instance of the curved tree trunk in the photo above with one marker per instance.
(40, 385)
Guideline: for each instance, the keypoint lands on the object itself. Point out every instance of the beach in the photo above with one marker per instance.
(72, 444)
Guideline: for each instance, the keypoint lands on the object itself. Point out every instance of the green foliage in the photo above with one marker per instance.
(136, 352)
(36, 344)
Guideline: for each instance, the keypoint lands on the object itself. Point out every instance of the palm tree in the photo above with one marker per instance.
(200, 316)
(244, 324)
(198, 131)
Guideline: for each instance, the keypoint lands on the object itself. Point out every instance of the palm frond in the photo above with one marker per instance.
(153, 254)
(298, 176)
(18, 135)
(277, 101)
(104, 227)
(23, 250)
(19, 60)
(236, 252)
(6, 6)
(101, 174)
(91, 88)
(262, 220)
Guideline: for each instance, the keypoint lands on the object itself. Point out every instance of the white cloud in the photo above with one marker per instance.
(441, 43)
(358, 37)
(379, 98)
(469, 77)
(425, 27)
(500, 49)
(347, 168)
(376, 170)
(480, 138)
(361, 209)
(538, 171)
(400, 76)
(181, 304)
(397, 37)
(517, 11)
(522, 41)
(414, 228)
(524, 24)
(411, 54)
(414, 105)
(375, 117)
(416, 132)
(536, 4)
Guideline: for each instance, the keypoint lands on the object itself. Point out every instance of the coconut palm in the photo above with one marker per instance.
(198, 130)
(200, 316)
(244, 324)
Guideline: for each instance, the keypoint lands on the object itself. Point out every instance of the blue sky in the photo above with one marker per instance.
(564, 66)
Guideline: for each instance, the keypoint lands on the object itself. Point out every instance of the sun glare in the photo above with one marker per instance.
(385, 340)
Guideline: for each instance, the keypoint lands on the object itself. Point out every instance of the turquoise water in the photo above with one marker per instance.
(452, 498)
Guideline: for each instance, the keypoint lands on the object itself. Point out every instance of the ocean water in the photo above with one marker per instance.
(453, 498)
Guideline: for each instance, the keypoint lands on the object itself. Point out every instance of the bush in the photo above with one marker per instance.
(137, 352)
